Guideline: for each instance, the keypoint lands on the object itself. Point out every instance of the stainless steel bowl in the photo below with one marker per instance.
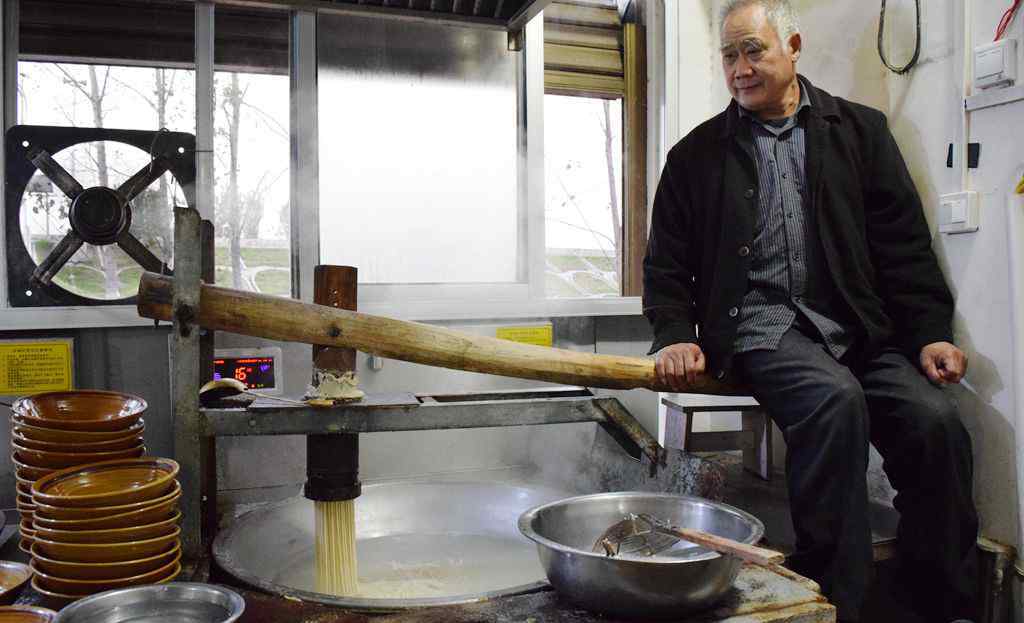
(680, 580)
(176, 602)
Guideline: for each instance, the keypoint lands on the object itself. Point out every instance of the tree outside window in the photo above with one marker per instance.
(583, 212)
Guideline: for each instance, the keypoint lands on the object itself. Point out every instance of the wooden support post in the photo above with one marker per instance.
(634, 230)
(208, 443)
(185, 377)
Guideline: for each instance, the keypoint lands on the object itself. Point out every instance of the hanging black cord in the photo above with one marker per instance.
(917, 45)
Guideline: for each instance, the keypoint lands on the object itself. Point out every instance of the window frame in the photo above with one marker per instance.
(525, 299)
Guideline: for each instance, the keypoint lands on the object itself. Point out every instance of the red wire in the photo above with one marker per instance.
(1007, 19)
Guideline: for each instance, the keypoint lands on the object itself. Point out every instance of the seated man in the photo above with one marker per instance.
(789, 252)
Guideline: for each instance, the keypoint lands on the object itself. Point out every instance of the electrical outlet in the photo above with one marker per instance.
(959, 213)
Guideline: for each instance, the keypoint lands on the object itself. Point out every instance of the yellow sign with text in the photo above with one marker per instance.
(538, 336)
(32, 367)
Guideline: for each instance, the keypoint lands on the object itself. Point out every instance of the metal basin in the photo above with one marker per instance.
(680, 580)
(176, 602)
(419, 544)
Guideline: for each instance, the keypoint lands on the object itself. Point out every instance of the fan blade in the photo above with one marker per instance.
(56, 173)
(138, 252)
(58, 257)
(145, 176)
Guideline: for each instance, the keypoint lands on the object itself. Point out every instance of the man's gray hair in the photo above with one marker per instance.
(781, 15)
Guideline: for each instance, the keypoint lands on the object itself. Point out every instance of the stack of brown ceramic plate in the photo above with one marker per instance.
(26, 614)
(106, 525)
(57, 430)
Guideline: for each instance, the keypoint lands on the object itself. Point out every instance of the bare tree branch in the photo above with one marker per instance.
(136, 91)
(277, 128)
(581, 228)
(74, 82)
(106, 78)
(579, 211)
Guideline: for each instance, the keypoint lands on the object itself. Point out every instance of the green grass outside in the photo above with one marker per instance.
(83, 281)
(557, 288)
(223, 277)
(603, 263)
(567, 262)
(277, 282)
(278, 258)
(592, 285)
(129, 278)
(43, 248)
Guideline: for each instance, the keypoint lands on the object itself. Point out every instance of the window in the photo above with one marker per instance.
(131, 70)
(583, 208)
(251, 158)
(252, 219)
(429, 166)
(418, 159)
(595, 225)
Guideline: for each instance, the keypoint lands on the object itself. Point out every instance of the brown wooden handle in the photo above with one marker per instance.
(722, 545)
(276, 318)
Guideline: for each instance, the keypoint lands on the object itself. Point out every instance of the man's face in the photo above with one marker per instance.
(759, 68)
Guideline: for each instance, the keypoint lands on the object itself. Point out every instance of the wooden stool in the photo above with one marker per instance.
(675, 428)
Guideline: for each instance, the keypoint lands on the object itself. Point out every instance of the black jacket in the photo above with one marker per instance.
(876, 242)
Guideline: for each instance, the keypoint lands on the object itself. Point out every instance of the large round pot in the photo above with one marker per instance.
(680, 580)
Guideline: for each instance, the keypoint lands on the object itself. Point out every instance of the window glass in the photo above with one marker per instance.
(102, 96)
(418, 151)
(95, 65)
(250, 146)
(583, 183)
(251, 151)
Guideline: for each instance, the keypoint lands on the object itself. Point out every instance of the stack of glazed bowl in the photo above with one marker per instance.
(56, 430)
(104, 526)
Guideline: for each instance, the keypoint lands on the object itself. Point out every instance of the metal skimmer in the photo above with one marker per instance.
(635, 534)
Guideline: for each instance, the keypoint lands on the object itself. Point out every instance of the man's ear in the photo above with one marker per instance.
(796, 44)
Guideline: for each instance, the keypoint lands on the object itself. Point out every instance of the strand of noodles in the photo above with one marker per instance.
(336, 568)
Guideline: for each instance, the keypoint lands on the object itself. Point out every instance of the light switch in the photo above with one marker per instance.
(959, 213)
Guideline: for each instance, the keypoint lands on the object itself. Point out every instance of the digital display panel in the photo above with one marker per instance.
(255, 372)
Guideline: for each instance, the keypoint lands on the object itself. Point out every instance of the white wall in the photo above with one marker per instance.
(923, 108)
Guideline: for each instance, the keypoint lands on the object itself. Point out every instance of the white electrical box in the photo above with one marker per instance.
(959, 213)
(995, 64)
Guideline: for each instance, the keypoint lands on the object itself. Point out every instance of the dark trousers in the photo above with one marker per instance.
(828, 411)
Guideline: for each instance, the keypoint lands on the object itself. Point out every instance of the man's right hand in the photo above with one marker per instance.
(679, 365)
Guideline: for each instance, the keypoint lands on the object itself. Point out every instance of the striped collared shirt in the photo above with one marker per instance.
(788, 274)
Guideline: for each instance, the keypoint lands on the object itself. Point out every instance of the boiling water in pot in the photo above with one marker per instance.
(447, 542)
(407, 566)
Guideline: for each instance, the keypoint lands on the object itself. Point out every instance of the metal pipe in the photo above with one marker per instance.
(1014, 231)
(304, 152)
(8, 104)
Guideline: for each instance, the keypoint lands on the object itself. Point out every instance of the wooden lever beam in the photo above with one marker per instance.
(276, 318)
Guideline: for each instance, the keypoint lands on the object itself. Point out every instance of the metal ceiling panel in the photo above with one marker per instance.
(510, 15)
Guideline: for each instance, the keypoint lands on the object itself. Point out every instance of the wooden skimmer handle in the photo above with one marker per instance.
(722, 545)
